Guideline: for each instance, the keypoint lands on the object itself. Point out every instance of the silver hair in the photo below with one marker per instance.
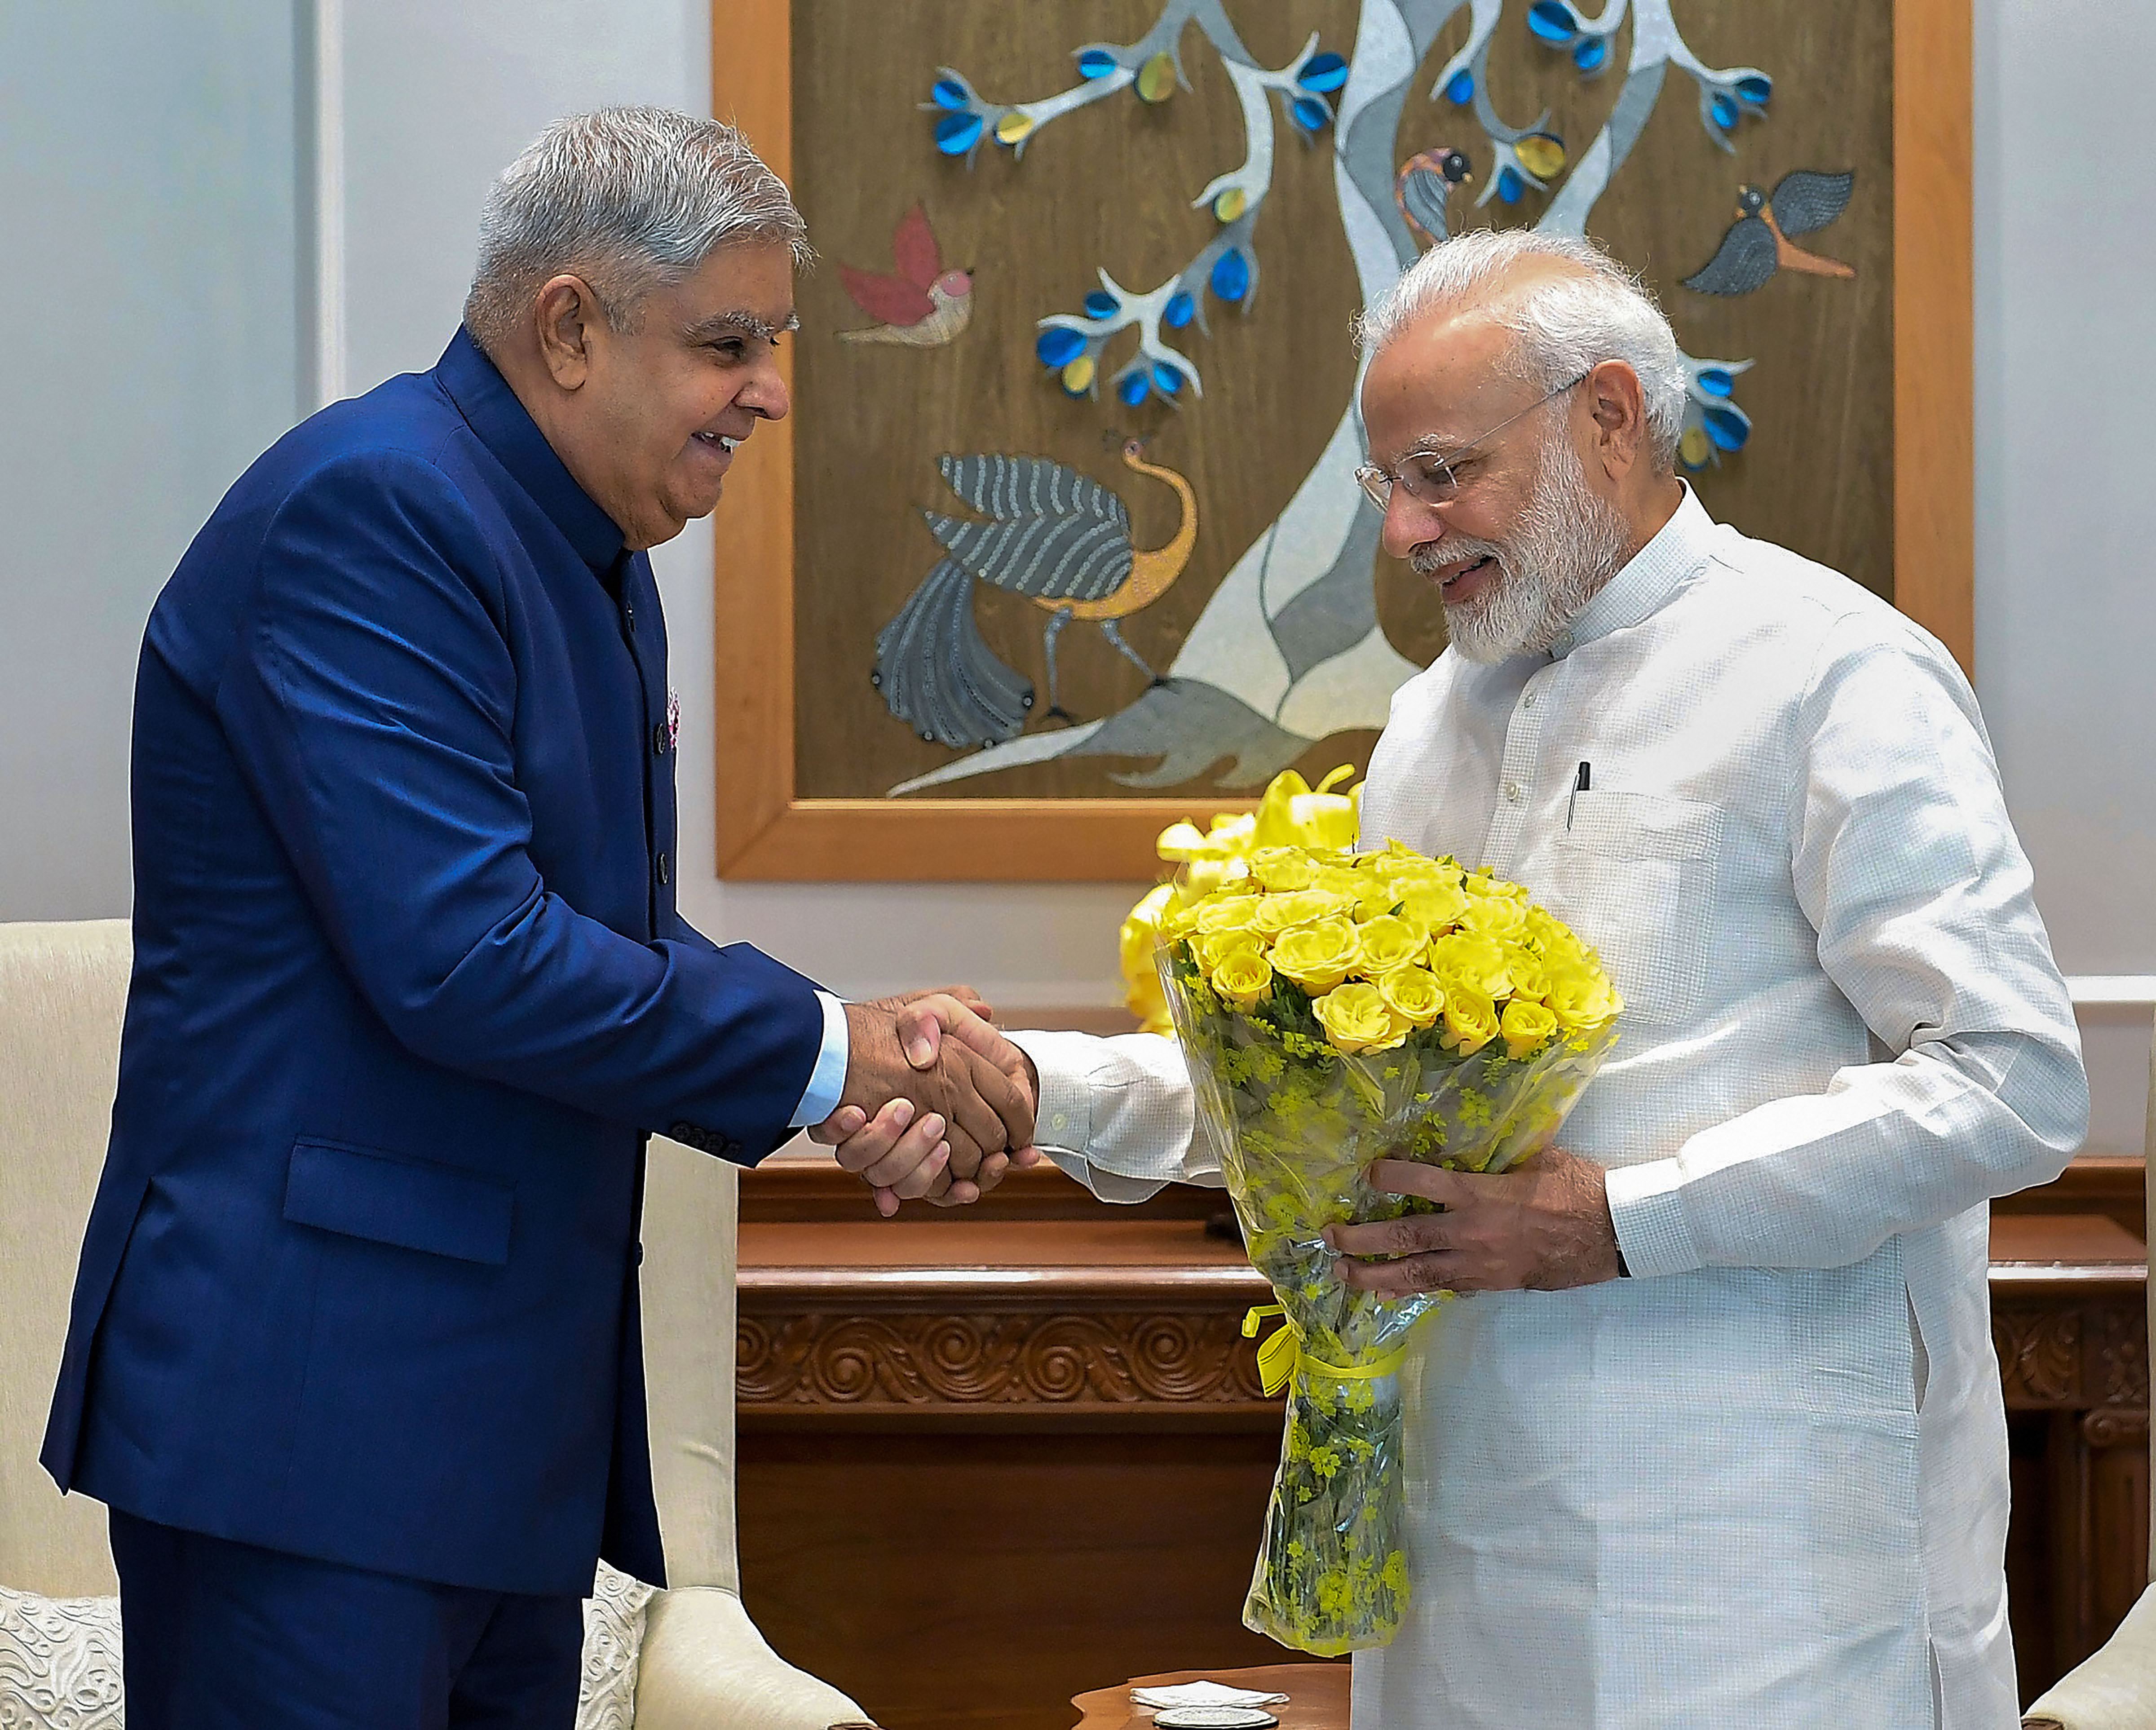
(627, 198)
(1562, 326)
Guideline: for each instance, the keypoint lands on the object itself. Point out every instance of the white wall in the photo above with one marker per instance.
(160, 156)
(2066, 608)
(147, 194)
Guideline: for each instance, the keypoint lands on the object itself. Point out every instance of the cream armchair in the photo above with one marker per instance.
(2115, 1689)
(686, 1659)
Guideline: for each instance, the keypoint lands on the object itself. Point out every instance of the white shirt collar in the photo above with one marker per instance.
(1648, 579)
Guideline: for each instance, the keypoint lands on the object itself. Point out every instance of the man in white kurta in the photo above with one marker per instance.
(1760, 1479)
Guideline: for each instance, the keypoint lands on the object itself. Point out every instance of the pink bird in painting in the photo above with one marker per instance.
(923, 305)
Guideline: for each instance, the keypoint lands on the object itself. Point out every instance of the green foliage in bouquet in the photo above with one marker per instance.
(1336, 1009)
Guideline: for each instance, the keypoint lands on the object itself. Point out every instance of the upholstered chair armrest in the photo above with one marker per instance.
(2114, 1690)
(705, 1667)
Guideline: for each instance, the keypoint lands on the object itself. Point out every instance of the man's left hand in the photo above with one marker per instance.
(1544, 1226)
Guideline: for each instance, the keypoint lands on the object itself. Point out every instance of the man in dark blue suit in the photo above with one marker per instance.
(355, 1359)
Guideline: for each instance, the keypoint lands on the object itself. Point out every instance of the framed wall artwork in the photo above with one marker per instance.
(1061, 541)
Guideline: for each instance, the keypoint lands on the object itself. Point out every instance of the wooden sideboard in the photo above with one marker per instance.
(1021, 1449)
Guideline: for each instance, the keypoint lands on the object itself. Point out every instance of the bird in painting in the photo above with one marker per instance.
(1424, 185)
(1758, 243)
(919, 304)
(1054, 537)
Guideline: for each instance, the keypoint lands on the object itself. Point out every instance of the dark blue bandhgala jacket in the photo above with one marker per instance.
(410, 988)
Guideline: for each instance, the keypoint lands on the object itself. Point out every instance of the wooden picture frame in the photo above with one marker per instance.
(767, 832)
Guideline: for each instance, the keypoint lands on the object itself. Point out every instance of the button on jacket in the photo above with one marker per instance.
(409, 990)
(1764, 1481)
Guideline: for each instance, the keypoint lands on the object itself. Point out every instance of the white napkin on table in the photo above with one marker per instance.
(1201, 1694)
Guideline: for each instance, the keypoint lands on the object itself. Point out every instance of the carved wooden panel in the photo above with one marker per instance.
(1044, 1360)
(2039, 1355)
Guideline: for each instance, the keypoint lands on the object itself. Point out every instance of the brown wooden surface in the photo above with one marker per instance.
(804, 1184)
(2112, 1184)
(751, 598)
(1318, 1696)
(1911, 444)
(1934, 324)
(958, 1581)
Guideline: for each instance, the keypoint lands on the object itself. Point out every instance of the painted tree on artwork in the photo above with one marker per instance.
(1288, 649)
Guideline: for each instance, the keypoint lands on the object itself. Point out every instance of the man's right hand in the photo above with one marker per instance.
(902, 1157)
(959, 1094)
(904, 1152)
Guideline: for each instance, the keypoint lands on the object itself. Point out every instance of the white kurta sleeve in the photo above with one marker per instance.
(1907, 864)
(1116, 1113)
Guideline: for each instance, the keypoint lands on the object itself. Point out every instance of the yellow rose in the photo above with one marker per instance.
(1214, 948)
(1227, 912)
(1318, 957)
(1413, 992)
(1434, 904)
(1278, 913)
(1494, 916)
(1583, 1000)
(1482, 883)
(1471, 1022)
(1530, 974)
(1550, 934)
(1357, 1019)
(1243, 977)
(1388, 942)
(1283, 868)
(1478, 962)
(1526, 1027)
(1413, 868)
(1365, 894)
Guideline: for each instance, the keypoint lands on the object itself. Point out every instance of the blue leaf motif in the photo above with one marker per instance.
(958, 133)
(1059, 346)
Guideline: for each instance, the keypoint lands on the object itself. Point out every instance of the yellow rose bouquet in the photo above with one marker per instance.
(1336, 1008)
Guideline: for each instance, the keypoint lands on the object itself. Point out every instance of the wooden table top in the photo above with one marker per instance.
(1318, 1696)
(1106, 1247)
(2051, 1250)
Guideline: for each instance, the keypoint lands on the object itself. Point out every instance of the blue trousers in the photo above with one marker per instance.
(220, 1635)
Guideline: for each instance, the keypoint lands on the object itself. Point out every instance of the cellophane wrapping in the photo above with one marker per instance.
(1298, 1121)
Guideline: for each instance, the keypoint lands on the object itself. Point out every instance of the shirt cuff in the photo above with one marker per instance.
(1063, 1115)
(1646, 1207)
(827, 1081)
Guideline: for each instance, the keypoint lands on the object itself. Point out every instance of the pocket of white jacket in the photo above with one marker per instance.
(1636, 871)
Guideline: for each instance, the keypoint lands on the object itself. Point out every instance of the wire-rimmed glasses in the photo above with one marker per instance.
(1427, 473)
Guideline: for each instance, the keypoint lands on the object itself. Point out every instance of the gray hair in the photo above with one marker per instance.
(1562, 326)
(627, 198)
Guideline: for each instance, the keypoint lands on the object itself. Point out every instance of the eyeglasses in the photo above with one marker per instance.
(1427, 475)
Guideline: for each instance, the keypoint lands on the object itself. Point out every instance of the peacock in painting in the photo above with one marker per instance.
(1061, 541)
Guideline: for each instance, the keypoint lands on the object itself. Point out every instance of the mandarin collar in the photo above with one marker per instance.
(505, 427)
(1648, 579)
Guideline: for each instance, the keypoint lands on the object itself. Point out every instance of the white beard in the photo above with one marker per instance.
(1568, 541)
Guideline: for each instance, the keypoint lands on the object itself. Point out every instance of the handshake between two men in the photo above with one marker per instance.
(930, 1118)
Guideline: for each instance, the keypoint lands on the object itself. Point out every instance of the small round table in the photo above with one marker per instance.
(1317, 1696)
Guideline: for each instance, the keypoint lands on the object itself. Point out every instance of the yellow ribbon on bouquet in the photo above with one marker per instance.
(1281, 1356)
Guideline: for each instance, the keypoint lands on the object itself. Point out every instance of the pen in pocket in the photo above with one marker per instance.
(1579, 780)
